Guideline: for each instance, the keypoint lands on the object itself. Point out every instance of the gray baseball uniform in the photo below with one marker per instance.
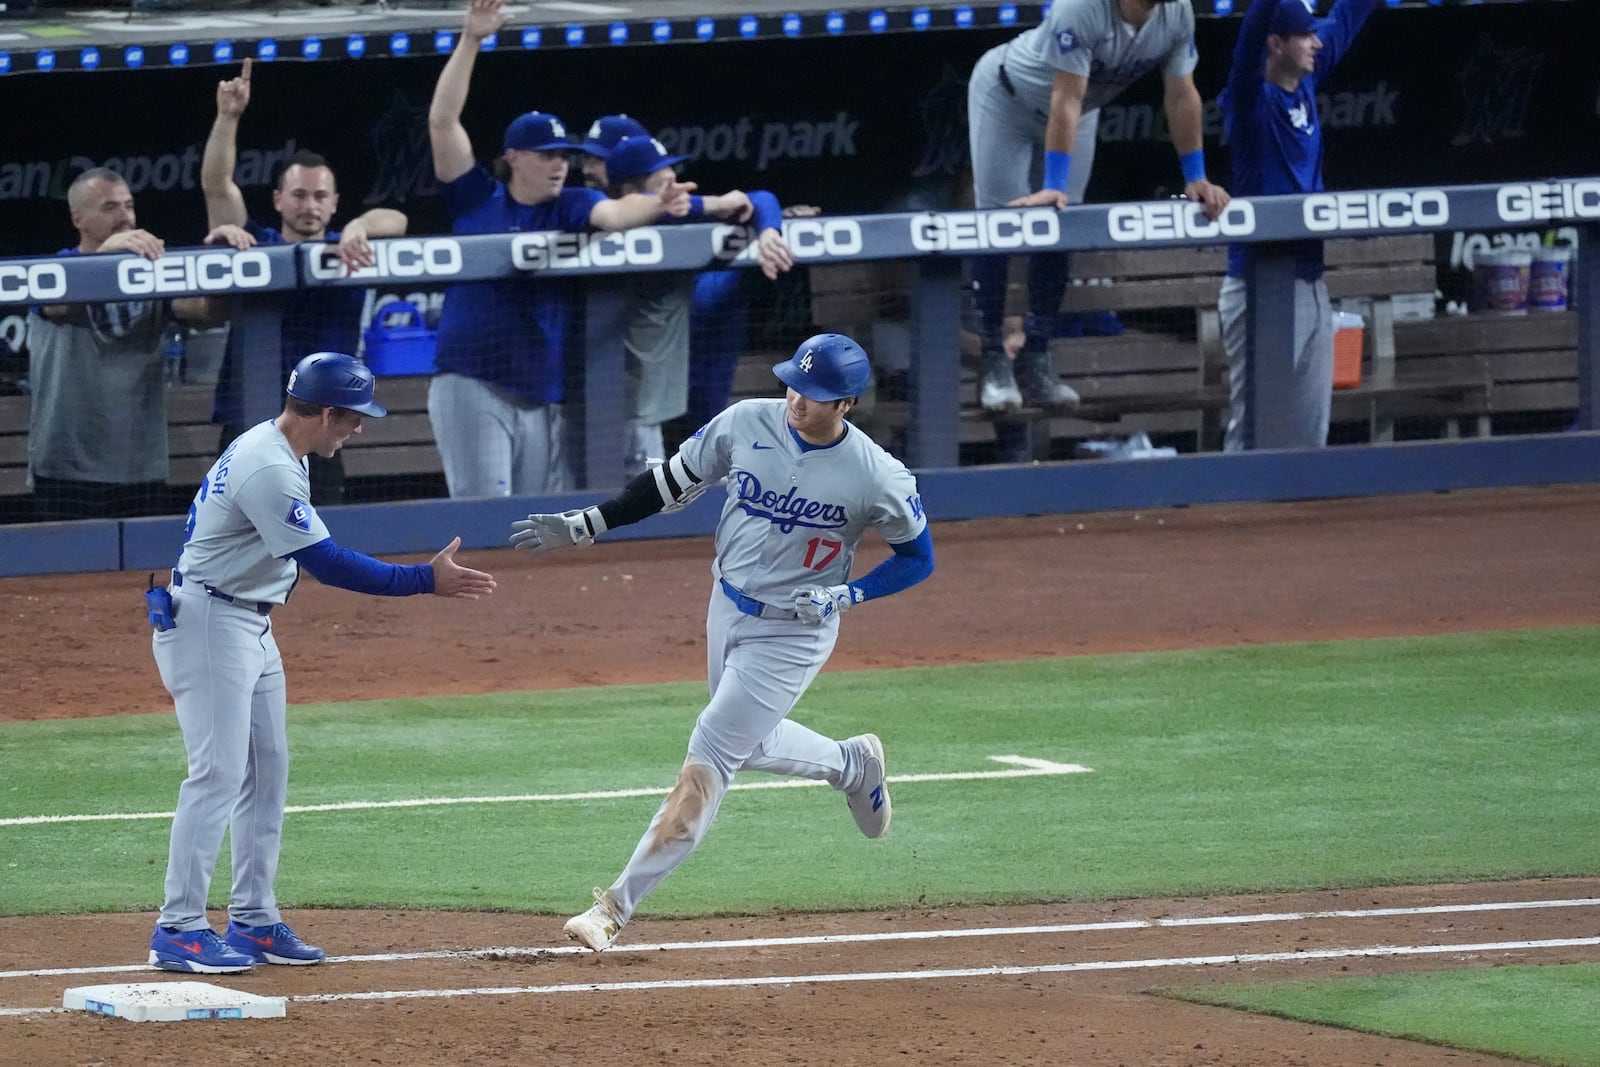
(222, 667)
(1008, 95)
(793, 517)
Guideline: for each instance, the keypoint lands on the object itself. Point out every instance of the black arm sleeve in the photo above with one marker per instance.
(651, 491)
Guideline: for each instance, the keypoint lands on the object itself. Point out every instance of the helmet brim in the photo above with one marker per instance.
(804, 384)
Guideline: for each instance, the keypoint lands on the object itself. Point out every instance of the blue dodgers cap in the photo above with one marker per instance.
(537, 131)
(635, 157)
(607, 130)
(1294, 17)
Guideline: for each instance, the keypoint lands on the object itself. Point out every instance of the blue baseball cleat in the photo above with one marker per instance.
(197, 951)
(273, 944)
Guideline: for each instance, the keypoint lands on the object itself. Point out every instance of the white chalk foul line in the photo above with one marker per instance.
(926, 975)
(898, 935)
(961, 972)
(1025, 768)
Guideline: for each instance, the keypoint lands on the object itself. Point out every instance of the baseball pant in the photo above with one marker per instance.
(757, 670)
(1311, 396)
(495, 444)
(222, 667)
(1006, 137)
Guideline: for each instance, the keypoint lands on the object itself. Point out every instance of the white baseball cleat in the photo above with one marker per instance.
(869, 802)
(598, 926)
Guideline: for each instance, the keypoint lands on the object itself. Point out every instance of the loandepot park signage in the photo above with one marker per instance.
(823, 239)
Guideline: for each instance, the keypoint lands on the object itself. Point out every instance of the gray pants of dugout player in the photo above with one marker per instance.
(1311, 397)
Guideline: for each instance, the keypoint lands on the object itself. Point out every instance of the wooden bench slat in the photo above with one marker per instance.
(1380, 281)
(1490, 333)
(401, 459)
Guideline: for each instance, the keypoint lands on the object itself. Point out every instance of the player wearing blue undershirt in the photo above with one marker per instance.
(1283, 54)
(496, 403)
(250, 530)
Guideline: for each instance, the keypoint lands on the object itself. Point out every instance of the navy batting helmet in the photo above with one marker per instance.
(335, 380)
(828, 366)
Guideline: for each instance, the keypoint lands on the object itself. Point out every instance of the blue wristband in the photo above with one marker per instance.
(697, 205)
(1194, 166)
(1057, 165)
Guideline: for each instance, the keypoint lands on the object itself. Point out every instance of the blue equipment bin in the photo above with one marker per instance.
(399, 342)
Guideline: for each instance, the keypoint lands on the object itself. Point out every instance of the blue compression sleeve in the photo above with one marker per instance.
(912, 561)
(768, 212)
(332, 565)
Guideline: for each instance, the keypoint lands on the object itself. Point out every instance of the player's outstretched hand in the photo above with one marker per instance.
(538, 534)
(452, 579)
(817, 604)
(483, 19)
(233, 95)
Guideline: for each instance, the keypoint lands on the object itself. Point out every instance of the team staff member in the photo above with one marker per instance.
(656, 337)
(250, 531)
(1044, 89)
(495, 404)
(1269, 110)
(97, 429)
(306, 197)
(803, 487)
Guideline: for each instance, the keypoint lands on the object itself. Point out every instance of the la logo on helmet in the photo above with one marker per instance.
(806, 361)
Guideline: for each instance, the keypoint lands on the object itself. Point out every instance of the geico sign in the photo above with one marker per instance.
(554, 250)
(1393, 210)
(732, 242)
(809, 238)
(211, 272)
(41, 281)
(1168, 220)
(404, 257)
(1549, 200)
(963, 231)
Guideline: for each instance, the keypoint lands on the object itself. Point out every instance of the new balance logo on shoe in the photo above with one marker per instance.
(877, 798)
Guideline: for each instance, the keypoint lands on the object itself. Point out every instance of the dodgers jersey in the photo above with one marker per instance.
(795, 515)
(251, 511)
(1090, 37)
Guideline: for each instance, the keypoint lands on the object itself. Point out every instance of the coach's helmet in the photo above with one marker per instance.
(335, 380)
(828, 366)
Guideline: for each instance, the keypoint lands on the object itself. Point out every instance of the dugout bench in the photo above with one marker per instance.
(1166, 374)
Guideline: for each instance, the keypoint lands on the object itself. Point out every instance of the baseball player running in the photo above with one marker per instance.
(1045, 87)
(803, 487)
(250, 531)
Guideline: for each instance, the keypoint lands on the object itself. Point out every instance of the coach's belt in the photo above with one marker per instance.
(749, 605)
(1005, 81)
(259, 607)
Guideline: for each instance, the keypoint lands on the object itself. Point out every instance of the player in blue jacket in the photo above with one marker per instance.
(803, 486)
(1283, 55)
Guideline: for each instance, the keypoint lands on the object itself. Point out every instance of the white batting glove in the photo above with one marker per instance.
(817, 604)
(538, 534)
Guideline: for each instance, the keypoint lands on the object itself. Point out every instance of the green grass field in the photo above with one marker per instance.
(1403, 761)
(1544, 1014)
(1274, 767)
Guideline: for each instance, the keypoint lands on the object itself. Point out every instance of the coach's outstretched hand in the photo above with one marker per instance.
(452, 579)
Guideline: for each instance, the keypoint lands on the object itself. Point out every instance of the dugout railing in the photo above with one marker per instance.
(935, 244)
